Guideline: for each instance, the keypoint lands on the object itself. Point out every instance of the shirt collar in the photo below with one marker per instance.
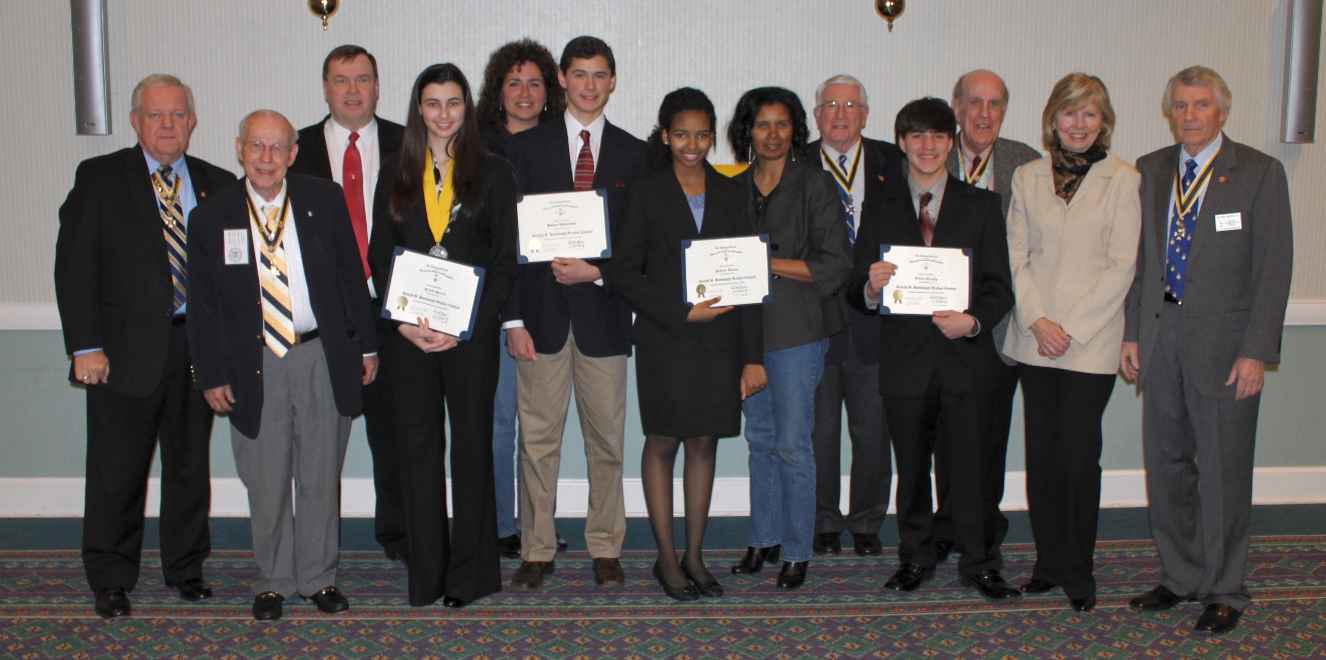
(368, 132)
(1205, 155)
(573, 125)
(968, 155)
(937, 190)
(834, 153)
(177, 167)
(258, 201)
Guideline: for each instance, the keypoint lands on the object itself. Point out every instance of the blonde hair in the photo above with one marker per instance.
(158, 80)
(1076, 90)
(1198, 76)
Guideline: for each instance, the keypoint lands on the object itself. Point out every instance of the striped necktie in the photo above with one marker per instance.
(167, 187)
(584, 179)
(849, 207)
(278, 325)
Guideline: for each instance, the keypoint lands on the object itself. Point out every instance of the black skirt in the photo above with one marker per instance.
(687, 394)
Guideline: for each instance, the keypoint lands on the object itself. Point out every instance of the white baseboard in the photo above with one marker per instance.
(44, 316)
(63, 497)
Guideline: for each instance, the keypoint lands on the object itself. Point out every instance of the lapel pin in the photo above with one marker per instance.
(881, 178)
(1222, 179)
(202, 194)
(309, 213)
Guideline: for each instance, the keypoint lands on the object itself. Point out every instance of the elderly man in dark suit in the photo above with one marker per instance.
(565, 324)
(348, 146)
(985, 160)
(121, 281)
(283, 342)
(938, 366)
(861, 168)
(1203, 319)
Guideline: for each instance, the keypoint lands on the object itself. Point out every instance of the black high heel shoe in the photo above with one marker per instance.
(708, 586)
(755, 558)
(686, 593)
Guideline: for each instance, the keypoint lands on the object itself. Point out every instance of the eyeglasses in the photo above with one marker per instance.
(257, 147)
(845, 106)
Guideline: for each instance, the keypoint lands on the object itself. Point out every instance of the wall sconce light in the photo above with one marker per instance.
(889, 10)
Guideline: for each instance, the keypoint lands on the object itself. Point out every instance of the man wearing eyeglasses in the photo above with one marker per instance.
(283, 342)
(985, 160)
(861, 168)
(120, 287)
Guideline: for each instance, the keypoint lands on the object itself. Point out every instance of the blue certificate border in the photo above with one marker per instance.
(686, 244)
(606, 253)
(478, 290)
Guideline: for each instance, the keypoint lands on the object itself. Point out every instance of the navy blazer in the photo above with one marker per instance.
(913, 346)
(112, 277)
(225, 312)
(599, 316)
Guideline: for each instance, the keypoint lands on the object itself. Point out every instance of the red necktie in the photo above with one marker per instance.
(584, 164)
(353, 182)
(975, 162)
(927, 223)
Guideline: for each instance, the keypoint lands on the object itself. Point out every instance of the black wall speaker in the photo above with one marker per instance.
(91, 89)
(1302, 49)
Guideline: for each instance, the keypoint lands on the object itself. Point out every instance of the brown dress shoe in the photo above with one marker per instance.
(530, 574)
(608, 572)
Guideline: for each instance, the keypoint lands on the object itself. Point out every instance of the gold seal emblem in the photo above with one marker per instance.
(897, 297)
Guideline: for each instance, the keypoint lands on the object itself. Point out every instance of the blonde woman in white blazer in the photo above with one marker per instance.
(1073, 229)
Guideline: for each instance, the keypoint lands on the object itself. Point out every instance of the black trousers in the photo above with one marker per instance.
(463, 561)
(122, 433)
(999, 419)
(857, 385)
(388, 518)
(940, 420)
(1063, 413)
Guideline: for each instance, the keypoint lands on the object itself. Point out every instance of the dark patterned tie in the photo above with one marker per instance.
(1180, 235)
(927, 222)
(848, 206)
(584, 179)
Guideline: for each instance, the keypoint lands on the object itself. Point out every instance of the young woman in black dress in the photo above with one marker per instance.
(694, 365)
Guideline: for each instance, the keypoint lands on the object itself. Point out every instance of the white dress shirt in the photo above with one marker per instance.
(370, 159)
(986, 182)
(858, 191)
(301, 309)
(573, 141)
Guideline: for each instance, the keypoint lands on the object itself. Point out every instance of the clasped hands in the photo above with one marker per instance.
(953, 324)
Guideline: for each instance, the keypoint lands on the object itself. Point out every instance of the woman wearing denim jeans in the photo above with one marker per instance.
(796, 204)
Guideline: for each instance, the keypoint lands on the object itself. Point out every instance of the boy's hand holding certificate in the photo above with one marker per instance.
(445, 293)
(927, 280)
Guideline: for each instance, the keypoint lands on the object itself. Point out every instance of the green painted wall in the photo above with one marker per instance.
(43, 431)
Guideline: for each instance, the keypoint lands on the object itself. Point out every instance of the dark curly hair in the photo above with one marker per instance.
(657, 154)
(490, 110)
(743, 119)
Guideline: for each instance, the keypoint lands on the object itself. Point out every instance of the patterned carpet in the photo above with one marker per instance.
(45, 610)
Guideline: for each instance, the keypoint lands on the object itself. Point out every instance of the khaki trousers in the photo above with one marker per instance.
(543, 390)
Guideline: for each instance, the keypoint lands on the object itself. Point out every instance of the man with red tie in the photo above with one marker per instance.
(348, 146)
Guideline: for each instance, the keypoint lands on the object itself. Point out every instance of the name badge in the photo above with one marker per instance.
(1228, 221)
(236, 246)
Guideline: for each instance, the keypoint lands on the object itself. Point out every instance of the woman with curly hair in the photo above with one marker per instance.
(519, 90)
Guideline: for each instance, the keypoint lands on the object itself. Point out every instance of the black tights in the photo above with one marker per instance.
(656, 467)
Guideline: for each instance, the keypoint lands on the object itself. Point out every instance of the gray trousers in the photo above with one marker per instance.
(302, 437)
(1198, 452)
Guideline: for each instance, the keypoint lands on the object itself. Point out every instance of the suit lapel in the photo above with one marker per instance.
(139, 186)
(951, 209)
(608, 152)
(1160, 200)
(1217, 195)
(557, 145)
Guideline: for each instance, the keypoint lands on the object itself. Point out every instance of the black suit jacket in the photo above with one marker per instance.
(883, 163)
(913, 346)
(225, 314)
(112, 278)
(598, 314)
(482, 235)
(314, 161)
(649, 266)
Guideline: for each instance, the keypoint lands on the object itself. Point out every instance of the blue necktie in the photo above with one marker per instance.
(1180, 235)
(848, 208)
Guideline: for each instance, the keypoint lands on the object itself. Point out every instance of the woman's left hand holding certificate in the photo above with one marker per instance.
(427, 339)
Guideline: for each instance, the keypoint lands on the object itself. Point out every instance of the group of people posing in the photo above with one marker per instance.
(259, 299)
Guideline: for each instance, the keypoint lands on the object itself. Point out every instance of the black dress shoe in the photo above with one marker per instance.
(705, 584)
(867, 545)
(991, 585)
(909, 576)
(755, 558)
(828, 543)
(267, 606)
(530, 574)
(793, 574)
(943, 548)
(112, 603)
(453, 602)
(1083, 604)
(194, 590)
(608, 572)
(330, 600)
(1160, 598)
(509, 546)
(1217, 619)
(682, 593)
(1036, 586)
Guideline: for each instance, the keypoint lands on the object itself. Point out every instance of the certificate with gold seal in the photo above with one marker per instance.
(735, 270)
(446, 293)
(569, 225)
(929, 280)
